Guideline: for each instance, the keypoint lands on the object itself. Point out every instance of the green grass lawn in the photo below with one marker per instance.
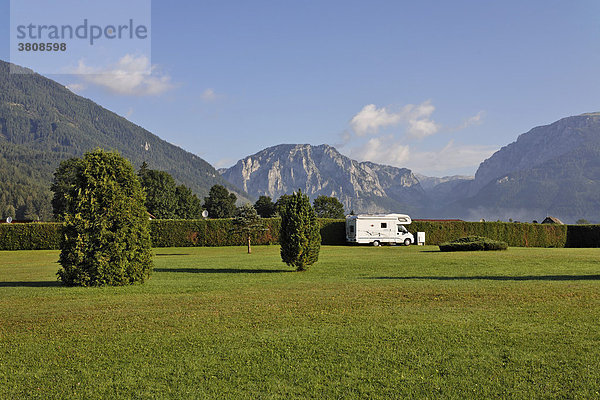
(364, 322)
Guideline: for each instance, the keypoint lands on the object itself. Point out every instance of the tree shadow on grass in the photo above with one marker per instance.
(30, 284)
(171, 254)
(498, 278)
(222, 270)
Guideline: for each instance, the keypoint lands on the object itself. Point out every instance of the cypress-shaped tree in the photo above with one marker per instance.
(106, 239)
(299, 236)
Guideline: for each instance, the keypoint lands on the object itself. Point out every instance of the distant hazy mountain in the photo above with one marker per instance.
(42, 123)
(322, 170)
(444, 191)
(550, 170)
(429, 182)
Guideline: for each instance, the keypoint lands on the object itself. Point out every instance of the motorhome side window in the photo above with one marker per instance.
(384, 225)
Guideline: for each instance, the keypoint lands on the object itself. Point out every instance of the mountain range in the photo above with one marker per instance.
(550, 170)
(322, 170)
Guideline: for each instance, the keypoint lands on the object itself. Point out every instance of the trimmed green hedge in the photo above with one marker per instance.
(333, 231)
(583, 236)
(473, 243)
(515, 234)
(33, 236)
(218, 232)
(208, 233)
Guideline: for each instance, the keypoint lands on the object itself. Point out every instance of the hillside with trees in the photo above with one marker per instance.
(43, 123)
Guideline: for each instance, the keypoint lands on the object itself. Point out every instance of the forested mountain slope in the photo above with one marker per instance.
(42, 123)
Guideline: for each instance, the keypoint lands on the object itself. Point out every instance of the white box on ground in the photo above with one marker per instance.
(420, 238)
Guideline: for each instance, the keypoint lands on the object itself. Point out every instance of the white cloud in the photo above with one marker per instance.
(385, 150)
(370, 119)
(224, 163)
(475, 120)
(414, 122)
(450, 157)
(417, 119)
(421, 128)
(76, 87)
(209, 95)
(382, 150)
(129, 76)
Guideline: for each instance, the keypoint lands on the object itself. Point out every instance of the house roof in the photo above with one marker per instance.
(552, 220)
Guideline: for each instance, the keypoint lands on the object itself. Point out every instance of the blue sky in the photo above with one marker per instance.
(434, 86)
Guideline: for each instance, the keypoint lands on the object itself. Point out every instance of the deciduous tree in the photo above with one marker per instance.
(265, 207)
(160, 187)
(165, 199)
(328, 207)
(189, 205)
(220, 203)
(64, 179)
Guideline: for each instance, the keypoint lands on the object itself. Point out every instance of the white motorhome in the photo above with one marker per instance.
(376, 229)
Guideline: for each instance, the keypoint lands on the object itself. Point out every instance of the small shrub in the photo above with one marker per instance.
(473, 243)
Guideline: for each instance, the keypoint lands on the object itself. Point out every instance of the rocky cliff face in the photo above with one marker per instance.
(537, 146)
(322, 170)
(550, 170)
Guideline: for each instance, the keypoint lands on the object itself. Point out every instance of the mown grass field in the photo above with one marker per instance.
(364, 322)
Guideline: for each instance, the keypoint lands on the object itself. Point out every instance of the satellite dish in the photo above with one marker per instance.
(205, 214)
(8, 220)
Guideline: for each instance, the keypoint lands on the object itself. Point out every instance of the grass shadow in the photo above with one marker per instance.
(498, 278)
(222, 270)
(30, 284)
(171, 254)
